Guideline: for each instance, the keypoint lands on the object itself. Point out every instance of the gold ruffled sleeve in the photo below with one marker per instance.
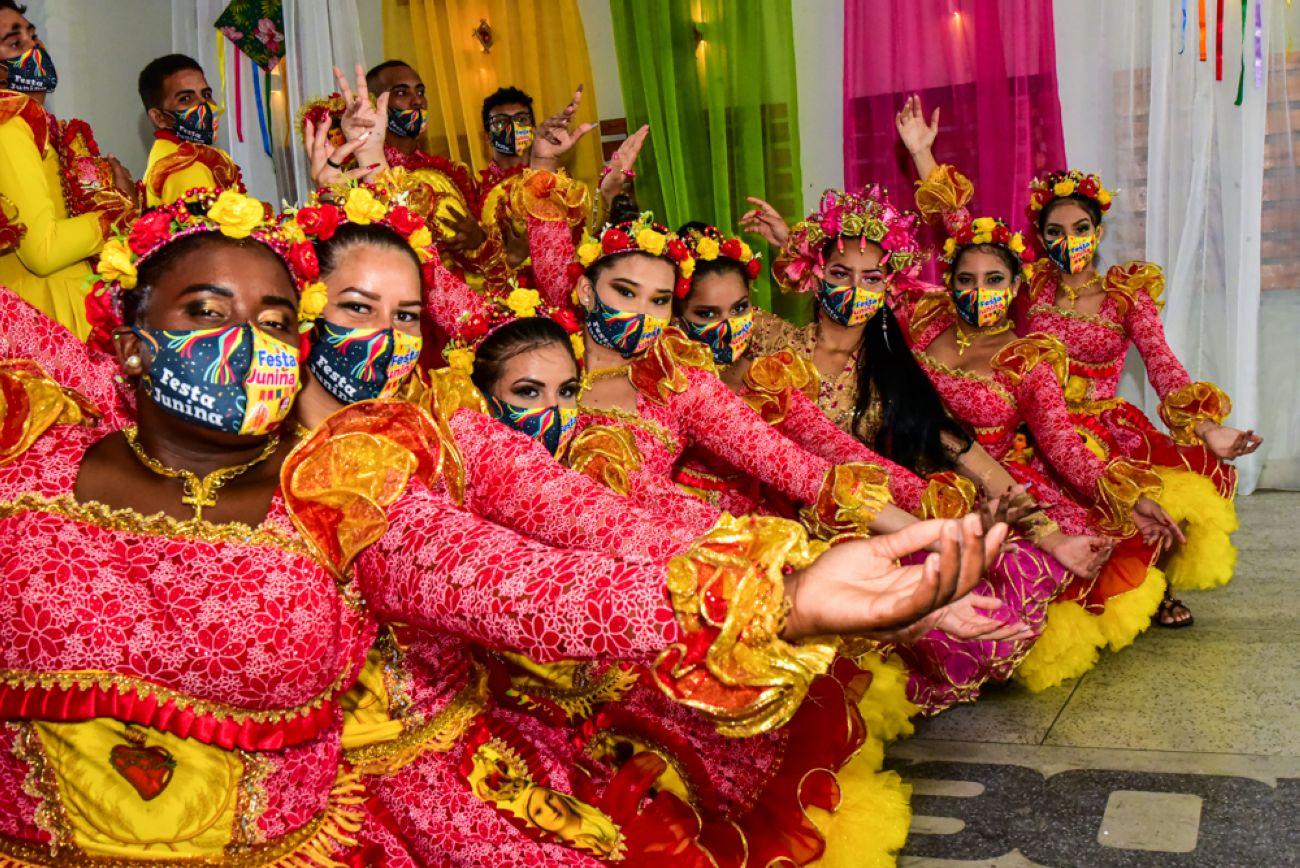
(339, 482)
(1021, 356)
(1121, 486)
(1185, 408)
(770, 380)
(662, 371)
(31, 403)
(947, 495)
(606, 454)
(850, 498)
(944, 190)
(1136, 277)
(728, 592)
(552, 197)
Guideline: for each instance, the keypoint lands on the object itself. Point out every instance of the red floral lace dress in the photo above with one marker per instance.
(1198, 487)
(1017, 413)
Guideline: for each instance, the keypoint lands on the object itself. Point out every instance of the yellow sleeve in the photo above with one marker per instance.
(178, 183)
(51, 243)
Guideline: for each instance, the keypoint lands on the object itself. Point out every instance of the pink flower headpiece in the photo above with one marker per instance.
(864, 216)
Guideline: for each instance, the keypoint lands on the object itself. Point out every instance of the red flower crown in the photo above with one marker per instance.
(1046, 189)
(709, 243)
(640, 235)
(489, 312)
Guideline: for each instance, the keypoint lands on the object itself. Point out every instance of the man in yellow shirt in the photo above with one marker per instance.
(178, 100)
(40, 159)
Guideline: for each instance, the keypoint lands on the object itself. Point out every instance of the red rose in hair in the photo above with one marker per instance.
(730, 248)
(683, 287)
(573, 271)
(1041, 197)
(615, 240)
(320, 221)
(753, 268)
(150, 231)
(1088, 187)
(474, 327)
(677, 250)
(302, 259)
(404, 221)
(1001, 234)
(567, 320)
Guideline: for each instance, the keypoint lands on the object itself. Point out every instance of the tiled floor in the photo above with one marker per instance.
(1183, 750)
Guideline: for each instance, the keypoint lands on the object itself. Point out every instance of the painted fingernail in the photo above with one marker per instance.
(365, 135)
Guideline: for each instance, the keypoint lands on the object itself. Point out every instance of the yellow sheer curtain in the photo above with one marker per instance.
(538, 45)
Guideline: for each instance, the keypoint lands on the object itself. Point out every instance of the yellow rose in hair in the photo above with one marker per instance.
(523, 302)
(420, 239)
(293, 232)
(983, 224)
(579, 347)
(311, 304)
(686, 267)
(461, 360)
(1103, 198)
(1017, 243)
(746, 252)
(950, 247)
(651, 242)
(588, 253)
(237, 215)
(115, 263)
(706, 249)
(1063, 188)
(362, 206)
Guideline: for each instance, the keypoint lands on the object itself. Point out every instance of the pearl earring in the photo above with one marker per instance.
(133, 361)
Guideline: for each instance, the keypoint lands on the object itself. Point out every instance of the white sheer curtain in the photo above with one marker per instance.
(318, 35)
(1189, 166)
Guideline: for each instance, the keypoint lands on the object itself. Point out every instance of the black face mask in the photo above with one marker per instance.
(32, 71)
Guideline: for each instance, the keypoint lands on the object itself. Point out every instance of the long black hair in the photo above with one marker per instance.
(914, 418)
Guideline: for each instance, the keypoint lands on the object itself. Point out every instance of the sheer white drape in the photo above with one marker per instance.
(318, 35)
(1189, 168)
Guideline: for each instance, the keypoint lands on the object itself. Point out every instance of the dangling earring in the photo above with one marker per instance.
(133, 361)
(884, 331)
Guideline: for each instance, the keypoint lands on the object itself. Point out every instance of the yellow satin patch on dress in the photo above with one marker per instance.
(137, 793)
(367, 711)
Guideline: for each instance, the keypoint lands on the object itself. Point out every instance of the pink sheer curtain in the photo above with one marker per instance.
(990, 65)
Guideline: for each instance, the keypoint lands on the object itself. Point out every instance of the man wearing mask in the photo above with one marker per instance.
(68, 198)
(509, 125)
(457, 195)
(178, 100)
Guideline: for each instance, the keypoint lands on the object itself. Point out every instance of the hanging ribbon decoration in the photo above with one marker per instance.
(239, 101)
(1218, 41)
(1200, 23)
(261, 92)
(1259, 44)
(221, 67)
(1183, 45)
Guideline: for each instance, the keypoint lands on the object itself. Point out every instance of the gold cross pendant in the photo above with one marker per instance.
(198, 496)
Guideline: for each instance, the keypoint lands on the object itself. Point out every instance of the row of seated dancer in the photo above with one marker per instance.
(439, 521)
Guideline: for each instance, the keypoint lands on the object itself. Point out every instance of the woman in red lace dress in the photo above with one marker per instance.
(1006, 391)
(1097, 317)
(204, 580)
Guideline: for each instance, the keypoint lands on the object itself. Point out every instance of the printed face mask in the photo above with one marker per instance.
(1072, 253)
(626, 333)
(236, 379)
(407, 123)
(510, 137)
(32, 71)
(983, 306)
(850, 305)
(552, 426)
(197, 124)
(359, 364)
(727, 338)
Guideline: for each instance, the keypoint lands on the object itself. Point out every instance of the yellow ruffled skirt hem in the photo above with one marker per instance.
(885, 708)
(1208, 558)
(870, 825)
(1128, 615)
(1068, 647)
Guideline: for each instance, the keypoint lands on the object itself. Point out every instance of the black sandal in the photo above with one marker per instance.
(1167, 614)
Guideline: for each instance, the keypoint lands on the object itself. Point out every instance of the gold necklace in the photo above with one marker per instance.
(1072, 292)
(591, 378)
(199, 493)
(964, 338)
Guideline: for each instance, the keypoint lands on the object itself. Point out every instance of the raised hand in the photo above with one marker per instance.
(327, 161)
(361, 115)
(916, 134)
(1156, 525)
(618, 172)
(466, 233)
(1009, 508)
(859, 587)
(1229, 443)
(554, 136)
(1082, 555)
(765, 221)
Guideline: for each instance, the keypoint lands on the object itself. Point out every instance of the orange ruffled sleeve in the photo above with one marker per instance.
(851, 497)
(947, 495)
(551, 197)
(31, 402)
(1186, 407)
(607, 454)
(728, 593)
(944, 195)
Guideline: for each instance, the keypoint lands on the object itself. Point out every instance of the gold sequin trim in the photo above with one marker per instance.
(125, 684)
(636, 420)
(160, 524)
(439, 733)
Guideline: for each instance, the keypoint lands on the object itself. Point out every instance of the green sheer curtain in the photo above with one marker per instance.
(715, 79)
